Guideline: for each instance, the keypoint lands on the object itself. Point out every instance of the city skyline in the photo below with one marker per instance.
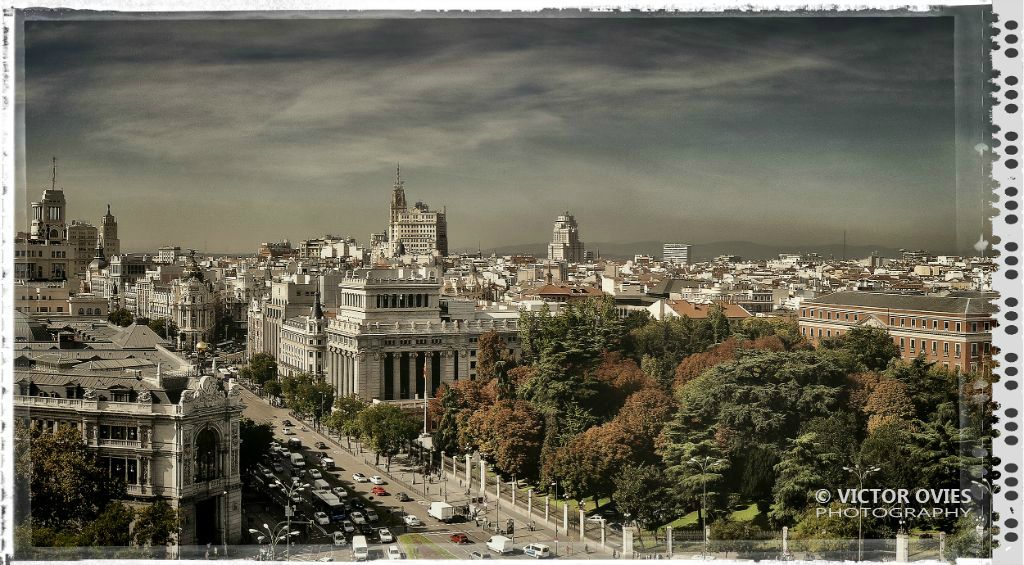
(711, 127)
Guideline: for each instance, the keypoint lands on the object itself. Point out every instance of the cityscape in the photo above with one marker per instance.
(417, 383)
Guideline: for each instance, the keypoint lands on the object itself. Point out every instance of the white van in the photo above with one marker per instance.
(297, 460)
(500, 544)
(537, 550)
(359, 549)
(321, 484)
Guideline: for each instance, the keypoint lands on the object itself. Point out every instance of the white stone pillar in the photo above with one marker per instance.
(468, 466)
(565, 517)
(603, 544)
(583, 524)
(396, 374)
(529, 504)
(428, 373)
(547, 507)
(483, 477)
(412, 374)
(668, 539)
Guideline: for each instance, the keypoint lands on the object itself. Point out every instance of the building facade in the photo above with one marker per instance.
(565, 241)
(954, 331)
(390, 342)
(676, 253)
(419, 231)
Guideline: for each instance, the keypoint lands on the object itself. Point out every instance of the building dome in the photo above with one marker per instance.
(202, 346)
(27, 328)
(192, 270)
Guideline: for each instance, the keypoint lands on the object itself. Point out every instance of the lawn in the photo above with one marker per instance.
(747, 514)
(419, 546)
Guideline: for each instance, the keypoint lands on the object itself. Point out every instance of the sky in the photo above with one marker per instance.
(221, 134)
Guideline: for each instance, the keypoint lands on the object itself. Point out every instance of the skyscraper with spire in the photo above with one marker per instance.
(108, 234)
(419, 231)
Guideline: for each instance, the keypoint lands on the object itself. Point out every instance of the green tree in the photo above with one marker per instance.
(640, 491)
(696, 471)
(256, 438)
(797, 480)
(387, 429)
(872, 348)
(262, 368)
(273, 388)
(164, 327)
(110, 529)
(156, 526)
(120, 317)
(344, 419)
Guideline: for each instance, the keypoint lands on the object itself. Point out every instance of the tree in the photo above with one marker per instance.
(797, 480)
(451, 408)
(308, 394)
(509, 434)
(642, 417)
(110, 529)
(155, 526)
(639, 490)
(164, 327)
(692, 483)
(262, 368)
(588, 464)
(873, 348)
(387, 429)
(273, 388)
(67, 485)
(889, 403)
(255, 442)
(344, 419)
(120, 317)
(490, 349)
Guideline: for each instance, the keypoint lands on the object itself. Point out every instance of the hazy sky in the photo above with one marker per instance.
(222, 134)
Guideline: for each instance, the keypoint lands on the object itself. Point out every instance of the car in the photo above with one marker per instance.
(359, 477)
(385, 535)
(596, 518)
(348, 526)
(315, 474)
(340, 492)
(615, 526)
(339, 539)
(479, 555)
(460, 538)
(274, 446)
(357, 517)
(365, 529)
(287, 423)
(278, 467)
(371, 515)
(402, 497)
(537, 550)
(288, 432)
(379, 491)
(394, 552)
(357, 503)
(321, 445)
(411, 520)
(378, 480)
(321, 518)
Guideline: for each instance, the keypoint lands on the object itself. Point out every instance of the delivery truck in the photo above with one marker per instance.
(360, 551)
(441, 511)
(500, 544)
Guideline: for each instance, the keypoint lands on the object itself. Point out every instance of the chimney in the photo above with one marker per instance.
(159, 375)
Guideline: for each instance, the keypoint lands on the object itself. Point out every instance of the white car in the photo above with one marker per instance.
(378, 480)
(339, 492)
(596, 518)
(339, 539)
(315, 474)
(288, 432)
(411, 520)
(359, 477)
(321, 518)
(371, 515)
(385, 535)
(358, 518)
(394, 552)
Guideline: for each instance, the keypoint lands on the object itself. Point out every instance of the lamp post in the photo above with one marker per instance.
(280, 532)
(705, 464)
(861, 472)
(289, 508)
(555, 484)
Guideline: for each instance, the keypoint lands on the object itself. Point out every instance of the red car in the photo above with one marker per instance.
(379, 491)
(460, 538)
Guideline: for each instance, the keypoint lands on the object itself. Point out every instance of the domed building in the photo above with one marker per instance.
(28, 329)
(194, 299)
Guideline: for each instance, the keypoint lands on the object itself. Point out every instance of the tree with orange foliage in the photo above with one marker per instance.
(509, 434)
(588, 464)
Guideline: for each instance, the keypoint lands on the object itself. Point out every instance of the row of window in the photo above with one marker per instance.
(417, 300)
(898, 321)
(975, 347)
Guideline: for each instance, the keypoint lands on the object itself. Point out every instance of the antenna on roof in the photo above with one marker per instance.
(53, 179)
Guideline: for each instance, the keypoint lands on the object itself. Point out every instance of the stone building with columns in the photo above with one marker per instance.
(391, 340)
(154, 422)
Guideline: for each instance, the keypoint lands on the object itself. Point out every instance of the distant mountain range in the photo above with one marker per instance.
(703, 251)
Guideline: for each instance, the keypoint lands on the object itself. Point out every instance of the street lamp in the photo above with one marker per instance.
(861, 473)
(280, 532)
(705, 464)
(290, 491)
(555, 484)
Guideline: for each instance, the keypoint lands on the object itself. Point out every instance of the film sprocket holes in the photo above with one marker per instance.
(770, 310)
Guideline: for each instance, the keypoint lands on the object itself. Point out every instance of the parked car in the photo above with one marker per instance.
(357, 517)
(365, 529)
(348, 526)
(371, 515)
(479, 555)
(537, 550)
(378, 480)
(339, 539)
(321, 518)
(315, 474)
(340, 492)
(288, 432)
(379, 491)
(411, 520)
(357, 503)
(321, 445)
(385, 535)
(394, 552)
(459, 538)
(286, 422)
(596, 518)
(402, 497)
(359, 477)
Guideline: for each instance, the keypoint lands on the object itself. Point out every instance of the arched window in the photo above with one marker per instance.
(206, 456)
(88, 311)
(81, 311)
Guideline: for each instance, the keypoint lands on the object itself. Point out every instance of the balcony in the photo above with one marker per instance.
(132, 443)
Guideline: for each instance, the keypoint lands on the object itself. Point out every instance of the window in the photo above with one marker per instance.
(934, 345)
(903, 344)
(986, 348)
(945, 349)
(974, 326)
(958, 326)
(828, 333)
(892, 321)
(987, 326)
(956, 351)
(913, 344)
(903, 322)
(945, 326)
(913, 322)
(974, 350)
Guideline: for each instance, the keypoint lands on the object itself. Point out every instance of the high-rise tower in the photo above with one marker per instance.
(108, 234)
(48, 214)
(565, 240)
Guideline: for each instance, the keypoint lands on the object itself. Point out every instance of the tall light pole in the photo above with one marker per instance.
(289, 508)
(555, 484)
(280, 532)
(705, 464)
(861, 472)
